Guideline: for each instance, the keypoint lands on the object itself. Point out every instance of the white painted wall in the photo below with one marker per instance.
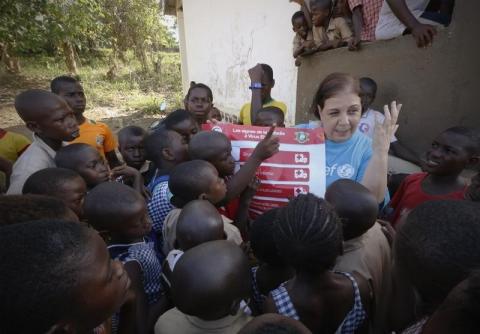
(224, 38)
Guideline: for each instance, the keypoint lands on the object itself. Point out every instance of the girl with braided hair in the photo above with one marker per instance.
(308, 235)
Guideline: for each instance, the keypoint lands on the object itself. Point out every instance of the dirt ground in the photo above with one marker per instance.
(115, 117)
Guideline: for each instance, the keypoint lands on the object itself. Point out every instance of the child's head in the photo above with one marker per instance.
(308, 234)
(214, 147)
(62, 183)
(452, 151)
(267, 82)
(199, 101)
(57, 277)
(320, 10)
(210, 280)
(86, 161)
(72, 91)
(47, 115)
(368, 91)
(337, 104)
(299, 24)
(272, 323)
(354, 204)
(215, 114)
(262, 240)
(198, 222)
(183, 122)
(118, 209)
(166, 148)
(268, 116)
(438, 247)
(131, 145)
(196, 179)
(24, 208)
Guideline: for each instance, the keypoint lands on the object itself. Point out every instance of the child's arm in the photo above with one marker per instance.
(255, 74)
(135, 175)
(264, 150)
(241, 218)
(375, 177)
(136, 278)
(357, 18)
(127, 315)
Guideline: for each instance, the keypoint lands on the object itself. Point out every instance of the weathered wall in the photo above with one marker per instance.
(438, 86)
(223, 39)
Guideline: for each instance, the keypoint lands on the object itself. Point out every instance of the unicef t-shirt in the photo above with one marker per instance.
(348, 159)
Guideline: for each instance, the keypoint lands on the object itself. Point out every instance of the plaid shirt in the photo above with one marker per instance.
(159, 205)
(370, 14)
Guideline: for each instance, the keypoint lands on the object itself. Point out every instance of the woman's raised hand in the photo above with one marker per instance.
(384, 131)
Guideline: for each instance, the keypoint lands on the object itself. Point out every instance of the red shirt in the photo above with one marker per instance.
(410, 195)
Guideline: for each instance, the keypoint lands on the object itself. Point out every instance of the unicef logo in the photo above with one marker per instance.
(345, 171)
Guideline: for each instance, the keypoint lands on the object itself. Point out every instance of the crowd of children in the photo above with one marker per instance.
(162, 242)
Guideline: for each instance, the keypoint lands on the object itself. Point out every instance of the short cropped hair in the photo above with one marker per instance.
(56, 84)
(194, 85)
(48, 181)
(176, 117)
(297, 15)
(156, 142)
(131, 130)
(23, 208)
(68, 156)
(473, 136)
(40, 269)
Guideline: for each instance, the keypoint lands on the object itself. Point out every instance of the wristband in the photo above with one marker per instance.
(256, 85)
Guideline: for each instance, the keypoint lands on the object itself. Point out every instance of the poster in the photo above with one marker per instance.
(298, 167)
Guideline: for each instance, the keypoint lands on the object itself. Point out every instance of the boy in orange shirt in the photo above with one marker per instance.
(95, 134)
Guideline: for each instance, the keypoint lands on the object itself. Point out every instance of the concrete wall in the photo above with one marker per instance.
(438, 86)
(223, 39)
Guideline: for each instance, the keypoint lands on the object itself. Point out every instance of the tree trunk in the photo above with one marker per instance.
(12, 64)
(70, 57)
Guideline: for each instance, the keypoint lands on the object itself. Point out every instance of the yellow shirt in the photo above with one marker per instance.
(245, 111)
(97, 135)
(12, 145)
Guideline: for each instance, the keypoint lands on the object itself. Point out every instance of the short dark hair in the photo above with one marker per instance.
(69, 156)
(438, 247)
(308, 234)
(194, 85)
(176, 117)
(369, 82)
(56, 84)
(274, 110)
(267, 69)
(333, 84)
(48, 181)
(40, 266)
(187, 181)
(262, 240)
(473, 136)
(200, 146)
(156, 142)
(322, 4)
(22, 208)
(131, 130)
(297, 15)
(29, 103)
(106, 204)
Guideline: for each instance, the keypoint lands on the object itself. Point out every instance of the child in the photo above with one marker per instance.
(122, 213)
(183, 122)
(199, 101)
(165, 149)
(309, 237)
(269, 116)
(328, 32)
(274, 324)
(192, 180)
(434, 250)
(216, 148)
(12, 145)
(303, 40)
(86, 161)
(208, 284)
(131, 146)
(451, 152)
(366, 250)
(262, 82)
(62, 183)
(215, 114)
(95, 134)
(368, 92)
(24, 208)
(57, 277)
(272, 269)
(52, 122)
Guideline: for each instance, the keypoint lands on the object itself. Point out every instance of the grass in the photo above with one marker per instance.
(130, 89)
